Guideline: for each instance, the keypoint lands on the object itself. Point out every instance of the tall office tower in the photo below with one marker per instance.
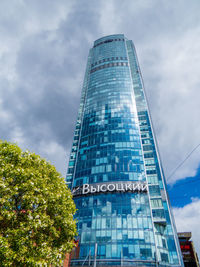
(123, 214)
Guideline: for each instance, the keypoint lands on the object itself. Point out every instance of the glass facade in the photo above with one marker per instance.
(123, 214)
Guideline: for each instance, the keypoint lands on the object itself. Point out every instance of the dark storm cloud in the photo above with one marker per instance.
(43, 66)
(43, 53)
(49, 68)
(43, 56)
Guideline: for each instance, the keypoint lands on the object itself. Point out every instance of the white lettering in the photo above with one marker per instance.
(119, 187)
(103, 186)
(128, 187)
(132, 186)
(86, 189)
(111, 187)
(74, 190)
(144, 187)
(93, 189)
(136, 187)
(139, 186)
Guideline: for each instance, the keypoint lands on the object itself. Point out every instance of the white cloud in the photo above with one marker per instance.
(43, 55)
(108, 21)
(174, 99)
(56, 154)
(32, 74)
(187, 220)
(18, 136)
(167, 41)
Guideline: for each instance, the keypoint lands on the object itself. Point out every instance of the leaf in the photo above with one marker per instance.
(36, 210)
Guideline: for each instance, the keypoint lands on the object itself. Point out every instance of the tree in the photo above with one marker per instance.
(36, 210)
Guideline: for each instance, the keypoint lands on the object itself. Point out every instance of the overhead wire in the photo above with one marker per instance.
(180, 164)
(184, 182)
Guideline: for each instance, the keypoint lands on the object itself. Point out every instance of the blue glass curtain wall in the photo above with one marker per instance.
(113, 141)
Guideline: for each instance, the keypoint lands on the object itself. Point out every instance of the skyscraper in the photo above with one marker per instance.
(115, 174)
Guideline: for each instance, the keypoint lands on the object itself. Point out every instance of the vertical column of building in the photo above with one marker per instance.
(109, 150)
(113, 153)
(165, 233)
(76, 138)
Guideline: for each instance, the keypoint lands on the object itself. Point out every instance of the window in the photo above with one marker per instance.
(155, 203)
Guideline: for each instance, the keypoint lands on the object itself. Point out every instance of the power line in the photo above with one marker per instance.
(183, 161)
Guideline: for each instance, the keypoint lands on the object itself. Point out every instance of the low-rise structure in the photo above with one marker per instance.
(190, 256)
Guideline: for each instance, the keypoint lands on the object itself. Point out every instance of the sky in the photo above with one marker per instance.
(43, 52)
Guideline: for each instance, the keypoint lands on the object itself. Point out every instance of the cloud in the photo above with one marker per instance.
(167, 41)
(176, 107)
(43, 55)
(41, 74)
(187, 220)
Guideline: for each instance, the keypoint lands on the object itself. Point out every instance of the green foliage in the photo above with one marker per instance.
(36, 210)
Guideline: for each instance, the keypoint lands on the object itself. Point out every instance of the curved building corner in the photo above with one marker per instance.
(115, 174)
